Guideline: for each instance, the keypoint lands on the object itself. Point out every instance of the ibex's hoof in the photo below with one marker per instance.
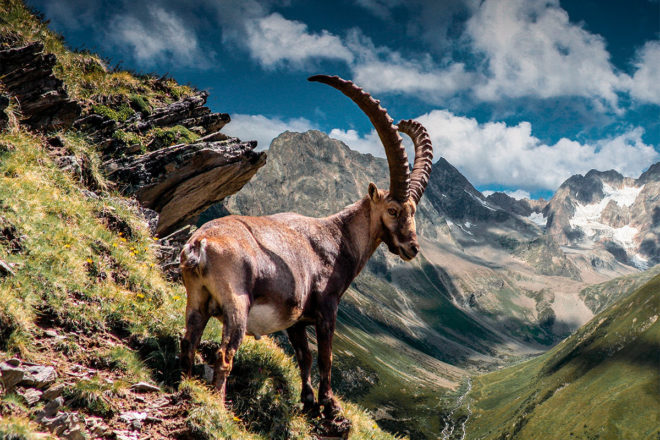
(332, 410)
(311, 409)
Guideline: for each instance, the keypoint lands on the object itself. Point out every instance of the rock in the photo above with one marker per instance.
(133, 418)
(39, 376)
(96, 426)
(14, 362)
(51, 409)
(189, 112)
(5, 269)
(11, 376)
(75, 433)
(126, 435)
(168, 250)
(53, 391)
(51, 333)
(30, 395)
(144, 387)
(27, 73)
(181, 181)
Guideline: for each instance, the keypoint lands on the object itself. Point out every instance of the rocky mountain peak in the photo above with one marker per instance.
(650, 175)
(607, 209)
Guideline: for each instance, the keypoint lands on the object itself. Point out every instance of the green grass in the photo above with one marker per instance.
(94, 395)
(21, 428)
(600, 383)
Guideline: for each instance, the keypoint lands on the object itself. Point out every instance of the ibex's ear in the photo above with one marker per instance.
(374, 194)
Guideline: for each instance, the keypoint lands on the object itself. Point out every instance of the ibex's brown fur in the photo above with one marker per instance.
(285, 271)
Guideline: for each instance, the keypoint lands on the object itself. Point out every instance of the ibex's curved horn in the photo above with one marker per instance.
(419, 177)
(387, 131)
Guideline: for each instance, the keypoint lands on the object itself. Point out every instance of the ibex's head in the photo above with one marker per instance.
(396, 207)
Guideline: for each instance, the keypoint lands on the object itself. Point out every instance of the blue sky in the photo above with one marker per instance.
(517, 94)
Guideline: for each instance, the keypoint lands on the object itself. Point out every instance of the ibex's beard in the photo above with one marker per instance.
(397, 248)
(404, 255)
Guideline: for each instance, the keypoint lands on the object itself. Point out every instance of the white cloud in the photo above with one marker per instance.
(380, 69)
(517, 194)
(401, 76)
(532, 49)
(645, 84)
(495, 153)
(274, 39)
(369, 143)
(162, 37)
(263, 129)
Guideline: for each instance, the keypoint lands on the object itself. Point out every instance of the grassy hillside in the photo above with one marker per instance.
(87, 297)
(599, 296)
(603, 382)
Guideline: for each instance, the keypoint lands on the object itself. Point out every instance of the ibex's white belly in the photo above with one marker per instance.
(264, 319)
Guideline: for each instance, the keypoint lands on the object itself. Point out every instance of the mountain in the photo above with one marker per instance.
(523, 207)
(605, 210)
(487, 288)
(601, 382)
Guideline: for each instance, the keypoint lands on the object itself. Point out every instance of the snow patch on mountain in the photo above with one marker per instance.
(588, 218)
(625, 196)
(538, 218)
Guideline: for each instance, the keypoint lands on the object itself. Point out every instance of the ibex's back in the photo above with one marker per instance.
(278, 262)
(286, 271)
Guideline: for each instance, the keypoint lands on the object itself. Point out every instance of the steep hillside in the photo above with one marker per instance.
(602, 382)
(89, 325)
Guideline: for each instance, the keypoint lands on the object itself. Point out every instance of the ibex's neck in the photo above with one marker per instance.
(358, 237)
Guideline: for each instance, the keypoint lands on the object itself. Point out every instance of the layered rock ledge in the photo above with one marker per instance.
(181, 181)
(27, 74)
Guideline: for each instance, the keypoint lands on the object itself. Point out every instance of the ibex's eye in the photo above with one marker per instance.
(392, 212)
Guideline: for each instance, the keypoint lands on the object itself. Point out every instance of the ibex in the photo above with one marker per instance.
(260, 275)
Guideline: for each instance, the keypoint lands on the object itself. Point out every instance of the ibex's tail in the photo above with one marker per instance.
(193, 256)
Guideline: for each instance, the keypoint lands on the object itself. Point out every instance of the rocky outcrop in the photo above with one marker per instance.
(27, 73)
(181, 181)
(522, 207)
(189, 112)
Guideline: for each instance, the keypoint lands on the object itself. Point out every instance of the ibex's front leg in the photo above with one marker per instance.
(325, 328)
(298, 337)
(234, 321)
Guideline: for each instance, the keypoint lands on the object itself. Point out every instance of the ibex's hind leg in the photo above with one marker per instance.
(325, 328)
(197, 316)
(234, 321)
(298, 338)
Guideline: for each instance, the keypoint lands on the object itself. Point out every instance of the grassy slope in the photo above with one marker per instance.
(599, 296)
(92, 282)
(603, 382)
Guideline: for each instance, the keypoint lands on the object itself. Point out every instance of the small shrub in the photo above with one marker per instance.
(127, 138)
(121, 114)
(92, 395)
(140, 104)
(19, 428)
(165, 137)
